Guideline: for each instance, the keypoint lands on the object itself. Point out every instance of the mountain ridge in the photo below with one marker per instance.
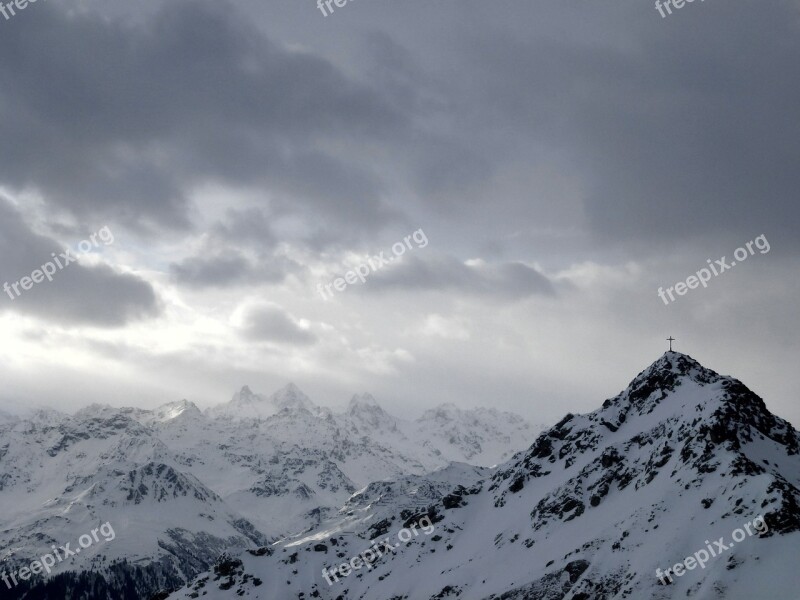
(590, 511)
(182, 485)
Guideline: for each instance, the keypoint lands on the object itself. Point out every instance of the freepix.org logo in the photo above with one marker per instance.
(718, 267)
(9, 9)
(61, 261)
(669, 5)
(701, 557)
(48, 561)
(322, 4)
(377, 550)
(373, 264)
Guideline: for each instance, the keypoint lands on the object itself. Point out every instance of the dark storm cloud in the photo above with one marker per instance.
(251, 226)
(223, 263)
(269, 323)
(679, 128)
(231, 268)
(121, 120)
(210, 271)
(674, 128)
(448, 157)
(95, 295)
(446, 274)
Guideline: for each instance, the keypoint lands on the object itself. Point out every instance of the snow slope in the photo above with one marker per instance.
(180, 487)
(679, 459)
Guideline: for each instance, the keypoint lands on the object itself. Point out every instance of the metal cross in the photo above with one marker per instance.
(670, 339)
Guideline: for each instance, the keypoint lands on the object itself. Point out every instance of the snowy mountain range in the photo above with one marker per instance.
(599, 507)
(180, 486)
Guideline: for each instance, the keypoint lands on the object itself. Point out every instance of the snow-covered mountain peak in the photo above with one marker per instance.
(672, 366)
(675, 404)
(365, 410)
(658, 383)
(173, 410)
(292, 397)
(362, 401)
(441, 413)
(364, 405)
(41, 417)
(246, 404)
(593, 510)
(182, 487)
(94, 411)
(246, 396)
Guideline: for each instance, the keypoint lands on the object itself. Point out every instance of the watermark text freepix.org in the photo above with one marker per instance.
(321, 4)
(8, 7)
(48, 561)
(48, 269)
(370, 555)
(677, 4)
(373, 264)
(701, 557)
(703, 276)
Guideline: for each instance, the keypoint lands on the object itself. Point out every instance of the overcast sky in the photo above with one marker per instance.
(563, 160)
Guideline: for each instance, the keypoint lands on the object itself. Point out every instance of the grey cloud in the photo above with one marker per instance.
(249, 226)
(512, 280)
(121, 119)
(210, 271)
(270, 323)
(671, 134)
(78, 294)
(231, 268)
(224, 262)
(674, 135)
